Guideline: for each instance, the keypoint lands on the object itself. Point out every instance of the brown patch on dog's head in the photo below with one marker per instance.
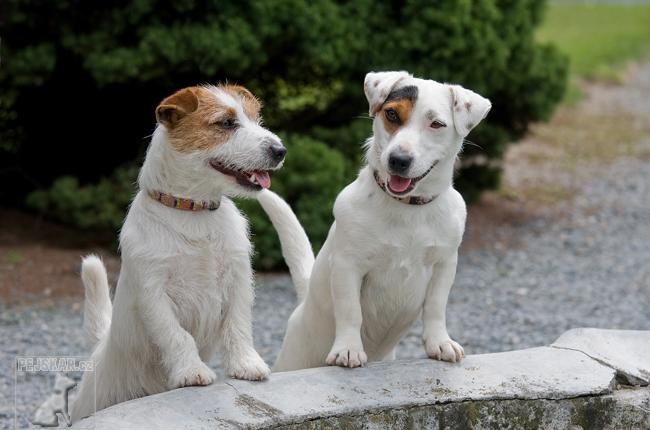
(196, 119)
(249, 102)
(402, 109)
(399, 103)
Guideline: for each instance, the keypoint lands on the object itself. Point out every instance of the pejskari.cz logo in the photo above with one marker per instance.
(44, 389)
(53, 364)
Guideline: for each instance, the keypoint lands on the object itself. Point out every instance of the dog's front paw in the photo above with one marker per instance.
(250, 367)
(444, 349)
(197, 373)
(346, 356)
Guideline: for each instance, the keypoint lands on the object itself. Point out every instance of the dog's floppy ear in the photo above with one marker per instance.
(378, 85)
(176, 106)
(469, 108)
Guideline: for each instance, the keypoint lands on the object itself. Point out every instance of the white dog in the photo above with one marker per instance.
(185, 287)
(391, 254)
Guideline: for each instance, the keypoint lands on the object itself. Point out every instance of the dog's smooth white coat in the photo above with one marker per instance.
(386, 262)
(185, 286)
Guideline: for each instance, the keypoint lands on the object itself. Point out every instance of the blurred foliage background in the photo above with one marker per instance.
(79, 82)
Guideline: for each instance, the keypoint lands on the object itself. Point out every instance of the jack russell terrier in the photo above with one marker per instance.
(391, 254)
(186, 283)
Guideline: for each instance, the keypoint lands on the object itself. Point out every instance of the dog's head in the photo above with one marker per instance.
(419, 126)
(216, 136)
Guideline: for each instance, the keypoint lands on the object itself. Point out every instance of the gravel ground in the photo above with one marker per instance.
(583, 264)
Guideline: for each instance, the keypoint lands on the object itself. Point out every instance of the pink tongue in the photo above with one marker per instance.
(398, 184)
(263, 178)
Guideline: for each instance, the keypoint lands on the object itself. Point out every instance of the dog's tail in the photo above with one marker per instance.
(97, 307)
(296, 248)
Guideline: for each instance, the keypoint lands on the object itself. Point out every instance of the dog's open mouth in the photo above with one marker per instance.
(400, 185)
(253, 179)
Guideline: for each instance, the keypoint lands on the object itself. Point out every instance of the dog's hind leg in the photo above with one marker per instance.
(97, 306)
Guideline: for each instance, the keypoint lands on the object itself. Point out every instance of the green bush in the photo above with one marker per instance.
(81, 80)
(99, 206)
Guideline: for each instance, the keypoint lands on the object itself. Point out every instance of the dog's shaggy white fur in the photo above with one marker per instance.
(385, 262)
(185, 286)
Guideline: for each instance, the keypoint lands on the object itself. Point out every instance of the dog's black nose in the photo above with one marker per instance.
(278, 151)
(399, 162)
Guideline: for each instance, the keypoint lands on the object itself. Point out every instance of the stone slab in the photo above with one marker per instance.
(627, 351)
(624, 409)
(311, 395)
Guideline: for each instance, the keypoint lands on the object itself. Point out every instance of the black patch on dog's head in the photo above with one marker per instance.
(409, 92)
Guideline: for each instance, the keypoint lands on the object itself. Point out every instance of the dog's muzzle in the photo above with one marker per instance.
(276, 150)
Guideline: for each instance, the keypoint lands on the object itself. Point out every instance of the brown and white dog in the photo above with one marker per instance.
(185, 286)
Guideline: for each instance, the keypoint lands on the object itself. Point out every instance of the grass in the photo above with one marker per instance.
(569, 149)
(591, 138)
(13, 257)
(599, 39)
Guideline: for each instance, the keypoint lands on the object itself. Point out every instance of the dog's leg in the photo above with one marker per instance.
(241, 359)
(180, 357)
(346, 280)
(437, 342)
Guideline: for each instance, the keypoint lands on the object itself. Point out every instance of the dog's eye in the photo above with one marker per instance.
(227, 123)
(391, 115)
(438, 124)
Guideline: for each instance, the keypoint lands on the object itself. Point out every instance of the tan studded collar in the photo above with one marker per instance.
(183, 204)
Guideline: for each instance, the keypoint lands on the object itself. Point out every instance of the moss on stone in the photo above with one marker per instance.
(598, 412)
(592, 412)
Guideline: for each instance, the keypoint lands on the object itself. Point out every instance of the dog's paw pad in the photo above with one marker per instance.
(252, 368)
(347, 357)
(196, 374)
(445, 350)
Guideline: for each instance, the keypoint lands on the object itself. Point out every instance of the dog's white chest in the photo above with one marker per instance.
(200, 261)
(400, 275)
(195, 271)
(392, 296)
(401, 268)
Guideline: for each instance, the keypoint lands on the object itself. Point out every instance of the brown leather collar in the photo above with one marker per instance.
(409, 200)
(184, 204)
